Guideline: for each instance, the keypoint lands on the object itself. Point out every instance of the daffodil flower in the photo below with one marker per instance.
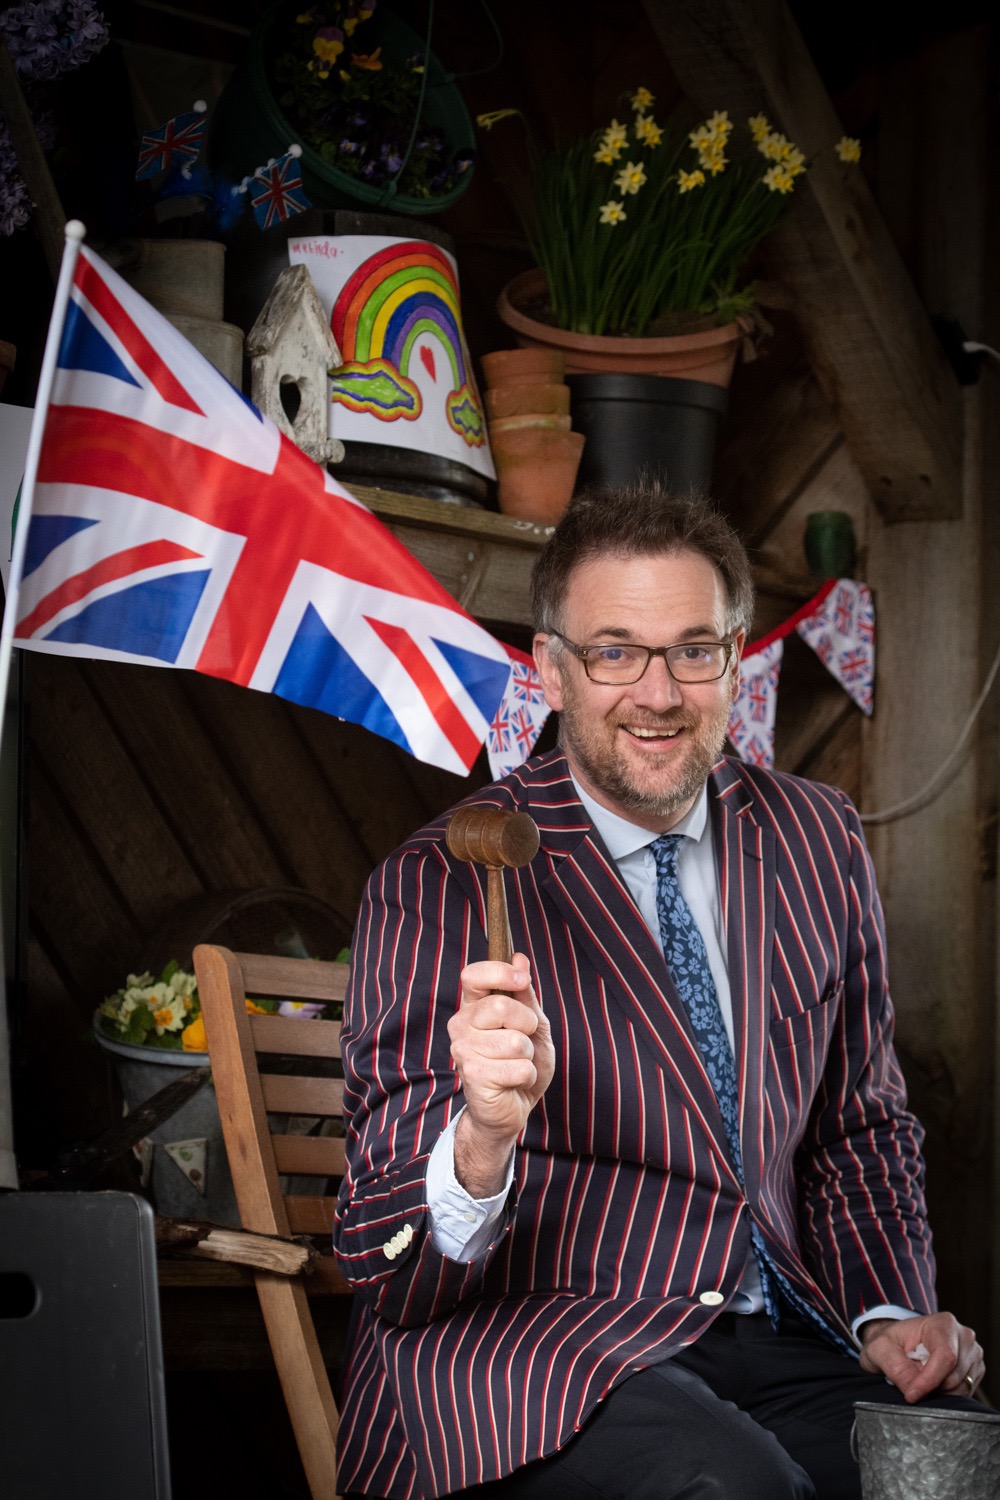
(760, 126)
(688, 180)
(719, 124)
(615, 135)
(778, 179)
(642, 99)
(612, 212)
(606, 154)
(631, 177)
(848, 148)
(775, 146)
(647, 130)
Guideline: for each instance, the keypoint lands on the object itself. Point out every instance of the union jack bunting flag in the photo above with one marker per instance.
(751, 721)
(518, 721)
(171, 524)
(175, 144)
(276, 191)
(841, 631)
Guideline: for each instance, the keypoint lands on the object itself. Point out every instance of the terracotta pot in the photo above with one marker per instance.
(510, 400)
(548, 420)
(524, 366)
(709, 355)
(536, 472)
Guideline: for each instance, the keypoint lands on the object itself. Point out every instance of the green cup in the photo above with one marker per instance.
(830, 545)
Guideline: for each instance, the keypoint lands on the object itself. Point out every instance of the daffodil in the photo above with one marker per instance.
(760, 126)
(848, 148)
(642, 99)
(615, 134)
(719, 124)
(793, 161)
(647, 130)
(631, 177)
(775, 146)
(612, 212)
(688, 180)
(606, 154)
(778, 179)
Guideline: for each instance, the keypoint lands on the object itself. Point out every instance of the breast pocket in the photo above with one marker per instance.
(807, 1026)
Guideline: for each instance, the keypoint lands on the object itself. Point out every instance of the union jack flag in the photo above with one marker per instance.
(841, 630)
(752, 718)
(176, 143)
(518, 721)
(172, 524)
(276, 191)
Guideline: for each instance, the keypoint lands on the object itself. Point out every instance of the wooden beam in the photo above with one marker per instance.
(870, 340)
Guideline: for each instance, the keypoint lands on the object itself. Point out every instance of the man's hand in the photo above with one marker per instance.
(954, 1365)
(502, 1047)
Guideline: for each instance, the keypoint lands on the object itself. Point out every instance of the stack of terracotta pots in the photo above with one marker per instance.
(536, 454)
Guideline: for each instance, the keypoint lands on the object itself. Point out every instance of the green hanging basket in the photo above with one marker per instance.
(248, 126)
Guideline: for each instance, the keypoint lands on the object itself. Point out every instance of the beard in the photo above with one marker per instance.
(643, 789)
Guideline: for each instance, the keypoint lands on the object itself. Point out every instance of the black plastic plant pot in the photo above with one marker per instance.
(646, 426)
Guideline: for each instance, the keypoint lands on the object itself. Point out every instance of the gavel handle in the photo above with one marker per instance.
(498, 945)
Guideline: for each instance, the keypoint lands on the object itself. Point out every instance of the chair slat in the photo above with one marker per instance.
(320, 1155)
(296, 1037)
(310, 1215)
(292, 977)
(302, 1096)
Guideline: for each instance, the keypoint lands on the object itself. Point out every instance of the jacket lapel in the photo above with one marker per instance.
(747, 868)
(606, 926)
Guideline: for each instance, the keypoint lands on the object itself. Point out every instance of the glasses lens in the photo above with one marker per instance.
(698, 661)
(616, 663)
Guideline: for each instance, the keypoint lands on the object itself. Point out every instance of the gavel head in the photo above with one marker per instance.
(493, 837)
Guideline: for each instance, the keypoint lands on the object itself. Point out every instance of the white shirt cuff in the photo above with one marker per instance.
(462, 1227)
(887, 1310)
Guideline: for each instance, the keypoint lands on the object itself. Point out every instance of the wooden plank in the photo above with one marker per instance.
(295, 1039)
(218, 827)
(293, 978)
(302, 1096)
(891, 389)
(129, 835)
(312, 1155)
(311, 1215)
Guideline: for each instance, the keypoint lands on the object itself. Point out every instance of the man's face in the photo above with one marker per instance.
(642, 750)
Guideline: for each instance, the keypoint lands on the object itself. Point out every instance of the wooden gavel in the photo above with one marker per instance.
(499, 840)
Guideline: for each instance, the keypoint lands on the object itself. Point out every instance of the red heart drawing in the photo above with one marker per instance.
(427, 359)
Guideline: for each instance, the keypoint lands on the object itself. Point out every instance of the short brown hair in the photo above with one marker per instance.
(640, 520)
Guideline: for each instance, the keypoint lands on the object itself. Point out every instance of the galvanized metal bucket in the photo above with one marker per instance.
(910, 1453)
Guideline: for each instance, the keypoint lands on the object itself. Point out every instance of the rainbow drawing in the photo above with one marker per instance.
(398, 294)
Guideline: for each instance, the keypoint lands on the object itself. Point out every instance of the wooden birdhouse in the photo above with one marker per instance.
(291, 349)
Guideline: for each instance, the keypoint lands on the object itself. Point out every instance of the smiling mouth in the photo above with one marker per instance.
(639, 733)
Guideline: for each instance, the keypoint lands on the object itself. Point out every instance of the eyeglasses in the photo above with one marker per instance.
(623, 663)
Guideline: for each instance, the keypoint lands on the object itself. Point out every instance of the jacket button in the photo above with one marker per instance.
(389, 1250)
(407, 1233)
(711, 1299)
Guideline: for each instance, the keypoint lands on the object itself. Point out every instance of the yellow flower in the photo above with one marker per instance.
(607, 154)
(163, 1018)
(775, 146)
(642, 99)
(368, 61)
(688, 180)
(793, 161)
(612, 212)
(760, 126)
(631, 177)
(647, 130)
(253, 1009)
(778, 179)
(615, 135)
(719, 124)
(327, 48)
(848, 148)
(193, 1038)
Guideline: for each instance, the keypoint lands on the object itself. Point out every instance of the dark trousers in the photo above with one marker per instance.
(744, 1413)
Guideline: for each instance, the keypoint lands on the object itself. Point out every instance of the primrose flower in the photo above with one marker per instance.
(848, 148)
(647, 130)
(760, 126)
(612, 212)
(170, 1016)
(631, 177)
(778, 179)
(688, 180)
(607, 154)
(642, 99)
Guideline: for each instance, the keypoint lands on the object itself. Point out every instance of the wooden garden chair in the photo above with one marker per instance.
(258, 1156)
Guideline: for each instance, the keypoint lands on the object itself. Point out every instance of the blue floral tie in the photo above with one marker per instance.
(684, 951)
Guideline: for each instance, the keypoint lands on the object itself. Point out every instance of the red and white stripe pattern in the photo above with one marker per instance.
(626, 1205)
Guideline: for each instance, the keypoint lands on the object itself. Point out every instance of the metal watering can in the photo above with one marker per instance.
(907, 1453)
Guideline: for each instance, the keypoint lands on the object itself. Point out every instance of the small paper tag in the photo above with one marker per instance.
(190, 1157)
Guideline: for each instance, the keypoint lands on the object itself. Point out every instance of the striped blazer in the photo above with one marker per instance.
(626, 1206)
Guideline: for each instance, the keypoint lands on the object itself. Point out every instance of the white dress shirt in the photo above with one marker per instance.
(462, 1226)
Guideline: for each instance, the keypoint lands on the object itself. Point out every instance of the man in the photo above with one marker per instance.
(641, 1213)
